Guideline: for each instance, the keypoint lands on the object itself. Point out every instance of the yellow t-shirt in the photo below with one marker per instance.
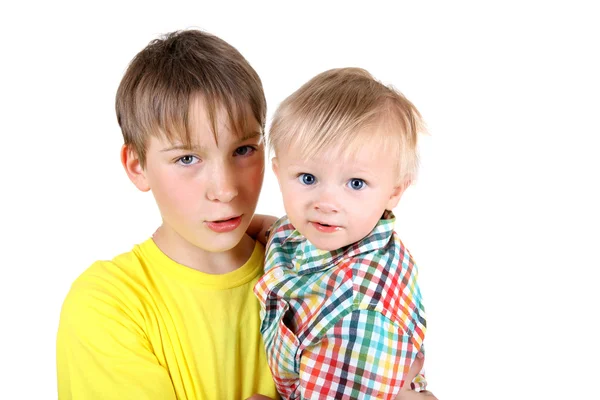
(144, 327)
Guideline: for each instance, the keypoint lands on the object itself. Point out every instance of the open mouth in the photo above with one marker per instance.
(225, 220)
(225, 225)
(326, 228)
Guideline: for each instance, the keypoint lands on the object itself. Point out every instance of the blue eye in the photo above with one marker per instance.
(356, 184)
(307, 179)
(188, 160)
(244, 150)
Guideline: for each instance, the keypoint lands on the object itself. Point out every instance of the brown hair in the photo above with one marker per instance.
(161, 81)
(343, 108)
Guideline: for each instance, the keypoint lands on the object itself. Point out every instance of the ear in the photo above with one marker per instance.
(397, 194)
(133, 168)
(275, 166)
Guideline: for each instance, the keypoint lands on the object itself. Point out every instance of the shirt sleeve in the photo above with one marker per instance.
(102, 352)
(364, 355)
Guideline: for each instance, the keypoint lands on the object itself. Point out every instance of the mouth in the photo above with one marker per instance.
(325, 228)
(225, 225)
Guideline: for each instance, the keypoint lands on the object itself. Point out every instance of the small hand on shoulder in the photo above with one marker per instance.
(259, 227)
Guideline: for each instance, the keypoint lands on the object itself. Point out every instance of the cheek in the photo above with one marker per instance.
(363, 223)
(174, 193)
(367, 211)
(251, 178)
(295, 204)
(289, 193)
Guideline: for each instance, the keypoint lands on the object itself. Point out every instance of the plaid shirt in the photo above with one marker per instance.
(340, 324)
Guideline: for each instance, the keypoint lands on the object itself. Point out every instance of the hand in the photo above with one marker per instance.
(259, 226)
(406, 393)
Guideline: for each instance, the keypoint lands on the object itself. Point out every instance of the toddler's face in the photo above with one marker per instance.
(335, 200)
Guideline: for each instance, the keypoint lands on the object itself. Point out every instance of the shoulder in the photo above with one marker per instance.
(391, 262)
(106, 283)
(385, 280)
(104, 314)
(121, 269)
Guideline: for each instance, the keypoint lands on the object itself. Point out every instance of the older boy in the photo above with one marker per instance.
(176, 317)
(342, 312)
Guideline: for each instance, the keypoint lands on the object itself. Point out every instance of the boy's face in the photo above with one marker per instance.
(335, 200)
(207, 194)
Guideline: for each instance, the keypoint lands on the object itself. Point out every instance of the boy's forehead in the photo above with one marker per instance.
(201, 129)
(199, 113)
(201, 139)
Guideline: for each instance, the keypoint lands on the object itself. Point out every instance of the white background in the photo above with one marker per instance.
(503, 222)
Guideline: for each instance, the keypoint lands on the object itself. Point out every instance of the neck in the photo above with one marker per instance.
(185, 253)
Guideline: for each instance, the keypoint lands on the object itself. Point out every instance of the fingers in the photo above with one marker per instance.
(428, 395)
(414, 370)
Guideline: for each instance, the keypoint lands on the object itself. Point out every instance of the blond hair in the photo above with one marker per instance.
(344, 108)
(163, 79)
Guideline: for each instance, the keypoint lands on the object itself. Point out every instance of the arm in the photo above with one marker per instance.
(364, 355)
(259, 226)
(102, 353)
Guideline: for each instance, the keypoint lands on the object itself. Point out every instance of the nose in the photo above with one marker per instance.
(326, 203)
(222, 185)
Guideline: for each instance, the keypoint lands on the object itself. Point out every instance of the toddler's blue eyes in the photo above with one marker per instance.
(356, 184)
(310, 179)
(307, 179)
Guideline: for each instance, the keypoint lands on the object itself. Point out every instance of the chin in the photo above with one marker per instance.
(326, 245)
(328, 248)
(225, 241)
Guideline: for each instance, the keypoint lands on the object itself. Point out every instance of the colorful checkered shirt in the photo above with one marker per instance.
(344, 324)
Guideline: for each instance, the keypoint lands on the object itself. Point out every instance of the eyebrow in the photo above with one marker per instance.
(180, 146)
(249, 136)
(312, 166)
